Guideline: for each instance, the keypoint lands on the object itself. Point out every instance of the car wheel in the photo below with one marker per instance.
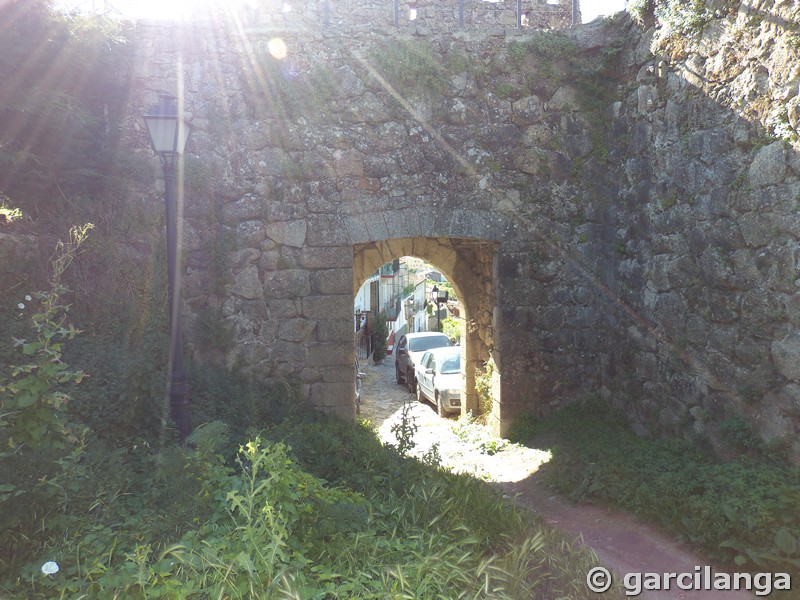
(411, 381)
(398, 377)
(420, 397)
(439, 407)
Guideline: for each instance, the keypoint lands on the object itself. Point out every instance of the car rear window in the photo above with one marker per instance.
(428, 342)
(451, 365)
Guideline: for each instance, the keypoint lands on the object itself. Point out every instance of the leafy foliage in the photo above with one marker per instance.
(452, 329)
(404, 430)
(737, 512)
(57, 141)
(211, 521)
(483, 387)
(687, 18)
(32, 405)
(34, 430)
(380, 335)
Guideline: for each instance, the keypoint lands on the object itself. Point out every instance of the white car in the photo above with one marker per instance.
(439, 379)
(409, 351)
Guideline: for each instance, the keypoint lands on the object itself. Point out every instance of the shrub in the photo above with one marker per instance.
(34, 431)
(380, 335)
(452, 329)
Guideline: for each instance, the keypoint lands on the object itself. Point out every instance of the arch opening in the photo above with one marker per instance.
(469, 265)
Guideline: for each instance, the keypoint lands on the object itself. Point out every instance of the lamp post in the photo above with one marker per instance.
(439, 297)
(168, 136)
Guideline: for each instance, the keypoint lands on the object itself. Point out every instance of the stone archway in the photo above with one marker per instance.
(469, 265)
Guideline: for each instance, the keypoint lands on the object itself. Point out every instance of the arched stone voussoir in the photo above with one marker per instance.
(430, 222)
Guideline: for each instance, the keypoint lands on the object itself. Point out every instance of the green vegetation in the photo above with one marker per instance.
(505, 90)
(517, 53)
(743, 512)
(468, 430)
(444, 286)
(483, 387)
(451, 327)
(681, 18)
(640, 9)
(380, 335)
(411, 66)
(59, 140)
(684, 18)
(298, 506)
(32, 417)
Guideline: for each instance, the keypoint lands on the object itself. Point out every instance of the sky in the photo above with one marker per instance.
(590, 9)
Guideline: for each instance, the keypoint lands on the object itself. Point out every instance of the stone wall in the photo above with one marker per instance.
(706, 231)
(304, 147)
(635, 211)
(410, 16)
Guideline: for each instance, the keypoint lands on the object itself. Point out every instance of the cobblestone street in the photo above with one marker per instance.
(382, 401)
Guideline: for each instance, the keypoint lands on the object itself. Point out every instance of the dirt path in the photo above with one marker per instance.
(622, 543)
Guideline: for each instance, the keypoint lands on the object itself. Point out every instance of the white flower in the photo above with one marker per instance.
(28, 298)
(20, 306)
(50, 567)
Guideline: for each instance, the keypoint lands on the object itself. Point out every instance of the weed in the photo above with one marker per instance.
(523, 429)
(517, 53)
(411, 65)
(40, 445)
(640, 9)
(214, 332)
(552, 45)
(505, 90)
(31, 399)
(458, 62)
(404, 430)
(260, 523)
(483, 387)
(740, 434)
(470, 431)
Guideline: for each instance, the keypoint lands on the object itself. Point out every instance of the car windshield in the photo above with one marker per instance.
(451, 365)
(428, 342)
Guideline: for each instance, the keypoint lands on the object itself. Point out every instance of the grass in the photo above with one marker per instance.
(744, 513)
(303, 508)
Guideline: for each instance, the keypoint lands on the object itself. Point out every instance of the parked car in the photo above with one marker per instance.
(439, 379)
(410, 349)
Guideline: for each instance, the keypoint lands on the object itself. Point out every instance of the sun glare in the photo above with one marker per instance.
(159, 9)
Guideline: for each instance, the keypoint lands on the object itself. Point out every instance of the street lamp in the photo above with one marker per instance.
(439, 297)
(168, 136)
